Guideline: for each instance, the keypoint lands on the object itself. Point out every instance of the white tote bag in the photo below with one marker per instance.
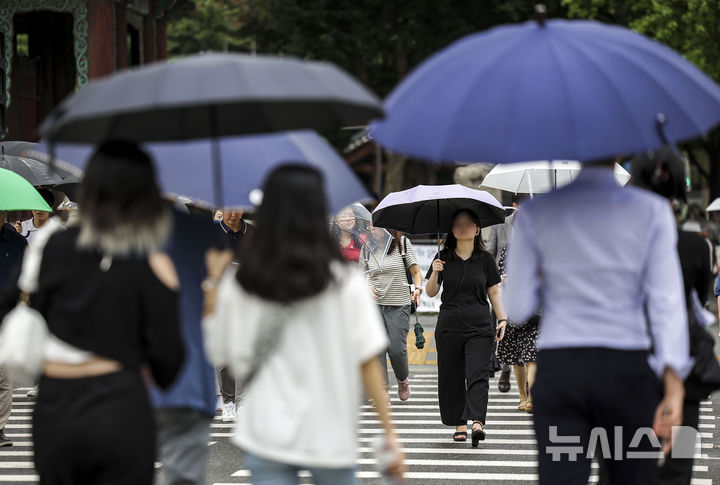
(24, 333)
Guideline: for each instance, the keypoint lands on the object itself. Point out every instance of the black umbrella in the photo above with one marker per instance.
(212, 95)
(38, 172)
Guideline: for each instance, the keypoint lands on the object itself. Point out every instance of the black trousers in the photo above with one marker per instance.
(583, 392)
(463, 375)
(96, 430)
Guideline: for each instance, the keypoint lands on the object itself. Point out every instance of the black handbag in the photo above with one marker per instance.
(408, 275)
(704, 378)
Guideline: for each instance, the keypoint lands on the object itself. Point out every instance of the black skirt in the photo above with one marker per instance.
(94, 430)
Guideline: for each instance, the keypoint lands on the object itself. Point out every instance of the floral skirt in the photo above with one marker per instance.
(518, 345)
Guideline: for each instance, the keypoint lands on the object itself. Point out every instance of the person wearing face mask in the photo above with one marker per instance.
(465, 336)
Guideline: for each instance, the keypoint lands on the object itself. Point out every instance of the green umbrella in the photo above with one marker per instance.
(17, 194)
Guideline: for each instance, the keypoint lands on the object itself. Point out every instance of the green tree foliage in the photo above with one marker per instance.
(688, 26)
(211, 26)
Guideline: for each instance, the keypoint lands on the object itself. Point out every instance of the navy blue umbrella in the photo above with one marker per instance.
(556, 90)
(185, 169)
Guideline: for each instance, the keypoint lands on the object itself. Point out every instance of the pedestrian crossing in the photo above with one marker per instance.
(507, 456)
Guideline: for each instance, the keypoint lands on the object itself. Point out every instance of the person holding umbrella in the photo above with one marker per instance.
(611, 288)
(465, 336)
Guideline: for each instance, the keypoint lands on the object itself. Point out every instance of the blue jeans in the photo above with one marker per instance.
(268, 472)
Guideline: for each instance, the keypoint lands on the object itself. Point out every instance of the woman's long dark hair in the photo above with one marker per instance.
(450, 245)
(119, 188)
(289, 254)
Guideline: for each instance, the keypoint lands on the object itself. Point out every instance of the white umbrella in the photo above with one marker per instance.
(539, 177)
(714, 206)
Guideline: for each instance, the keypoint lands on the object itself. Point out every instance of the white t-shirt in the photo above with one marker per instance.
(302, 406)
(28, 229)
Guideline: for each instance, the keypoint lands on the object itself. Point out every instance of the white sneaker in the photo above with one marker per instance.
(229, 412)
(33, 392)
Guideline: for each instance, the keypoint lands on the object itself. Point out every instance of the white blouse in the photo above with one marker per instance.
(302, 406)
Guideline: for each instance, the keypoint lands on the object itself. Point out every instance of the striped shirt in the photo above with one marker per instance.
(390, 281)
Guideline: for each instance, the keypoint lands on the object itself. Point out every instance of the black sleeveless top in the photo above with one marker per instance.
(125, 313)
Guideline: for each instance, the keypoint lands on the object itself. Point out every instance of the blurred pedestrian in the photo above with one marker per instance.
(184, 411)
(345, 228)
(12, 247)
(500, 236)
(663, 172)
(217, 216)
(28, 228)
(302, 329)
(389, 285)
(602, 263)
(518, 349)
(465, 336)
(235, 229)
(109, 298)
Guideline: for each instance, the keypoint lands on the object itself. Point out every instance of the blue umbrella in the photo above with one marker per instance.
(429, 209)
(557, 90)
(185, 169)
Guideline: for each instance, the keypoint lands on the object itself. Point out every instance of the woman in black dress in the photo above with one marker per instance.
(465, 335)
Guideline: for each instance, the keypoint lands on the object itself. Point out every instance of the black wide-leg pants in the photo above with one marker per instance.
(463, 375)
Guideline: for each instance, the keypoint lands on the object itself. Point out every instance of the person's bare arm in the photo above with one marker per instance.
(433, 287)
(375, 388)
(417, 280)
(669, 411)
(499, 309)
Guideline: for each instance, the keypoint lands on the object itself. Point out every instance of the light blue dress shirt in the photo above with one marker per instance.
(593, 255)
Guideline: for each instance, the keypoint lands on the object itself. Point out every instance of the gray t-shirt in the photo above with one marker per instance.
(390, 281)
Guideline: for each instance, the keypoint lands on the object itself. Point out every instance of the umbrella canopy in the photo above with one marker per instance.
(539, 177)
(38, 172)
(16, 194)
(714, 206)
(185, 169)
(15, 148)
(370, 243)
(428, 209)
(560, 90)
(212, 95)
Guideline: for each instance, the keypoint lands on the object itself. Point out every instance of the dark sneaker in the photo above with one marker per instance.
(4, 440)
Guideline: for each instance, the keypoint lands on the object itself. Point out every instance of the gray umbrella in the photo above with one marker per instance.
(212, 95)
(38, 172)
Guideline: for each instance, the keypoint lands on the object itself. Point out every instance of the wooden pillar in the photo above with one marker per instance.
(161, 25)
(149, 36)
(101, 38)
(121, 35)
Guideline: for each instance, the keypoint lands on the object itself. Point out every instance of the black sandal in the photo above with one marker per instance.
(456, 436)
(478, 435)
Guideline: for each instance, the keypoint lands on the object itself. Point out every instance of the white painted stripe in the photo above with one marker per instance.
(17, 464)
(448, 441)
(18, 426)
(518, 414)
(431, 476)
(426, 422)
(18, 435)
(445, 431)
(20, 478)
(706, 425)
(700, 481)
(435, 406)
(18, 444)
(15, 453)
(458, 451)
(460, 463)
